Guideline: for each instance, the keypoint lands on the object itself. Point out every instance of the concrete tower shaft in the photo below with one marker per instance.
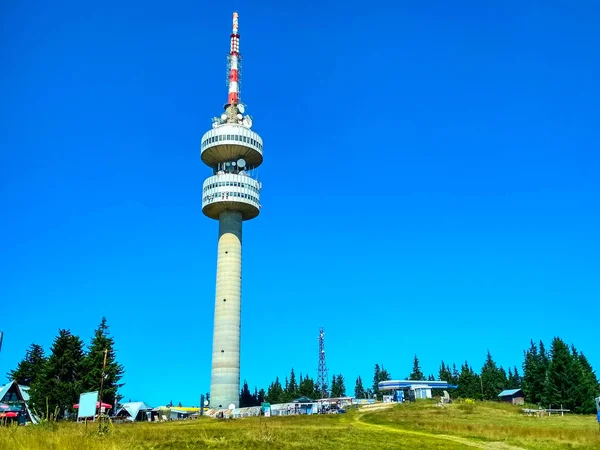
(230, 195)
(225, 378)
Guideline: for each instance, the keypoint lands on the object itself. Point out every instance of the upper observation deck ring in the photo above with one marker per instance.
(230, 142)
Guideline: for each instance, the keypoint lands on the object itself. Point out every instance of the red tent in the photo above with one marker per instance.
(104, 405)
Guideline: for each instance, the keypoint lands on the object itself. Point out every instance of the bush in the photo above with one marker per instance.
(468, 405)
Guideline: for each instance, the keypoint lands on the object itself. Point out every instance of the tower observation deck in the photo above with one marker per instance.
(230, 195)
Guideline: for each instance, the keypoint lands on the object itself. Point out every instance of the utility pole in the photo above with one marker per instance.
(481, 382)
(100, 394)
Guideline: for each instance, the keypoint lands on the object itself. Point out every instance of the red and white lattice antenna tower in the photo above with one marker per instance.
(322, 370)
(234, 60)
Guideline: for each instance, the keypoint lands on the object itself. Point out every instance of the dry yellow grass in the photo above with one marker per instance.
(415, 426)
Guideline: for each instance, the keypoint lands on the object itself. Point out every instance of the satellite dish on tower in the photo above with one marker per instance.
(223, 116)
(241, 163)
(241, 108)
(239, 116)
(247, 122)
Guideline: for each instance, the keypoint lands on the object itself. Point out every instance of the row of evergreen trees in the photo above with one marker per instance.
(561, 376)
(292, 389)
(56, 381)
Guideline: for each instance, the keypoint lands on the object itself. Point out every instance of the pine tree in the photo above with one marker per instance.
(334, 386)
(584, 383)
(261, 397)
(30, 367)
(534, 373)
(245, 396)
(529, 370)
(589, 388)
(384, 375)
(493, 379)
(455, 374)
(359, 390)
(376, 380)
(510, 384)
(416, 374)
(380, 375)
(544, 357)
(93, 363)
(292, 388)
(340, 389)
(563, 377)
(307, 388)
(444, 373)
(516, 378)
(469, 384)
(275, 392)
(61, 379)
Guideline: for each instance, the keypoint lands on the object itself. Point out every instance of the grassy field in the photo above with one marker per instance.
(493, 425)
(412, 426)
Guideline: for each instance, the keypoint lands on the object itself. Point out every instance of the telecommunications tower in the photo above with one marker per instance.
(230, 195)
(322, 370)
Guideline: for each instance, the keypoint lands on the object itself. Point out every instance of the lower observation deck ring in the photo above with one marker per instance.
(231, 192)
(215, 208)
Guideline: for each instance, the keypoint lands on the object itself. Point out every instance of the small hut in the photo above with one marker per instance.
(13, 404)
(514, 396)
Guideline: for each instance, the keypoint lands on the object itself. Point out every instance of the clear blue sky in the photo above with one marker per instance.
(430, 183)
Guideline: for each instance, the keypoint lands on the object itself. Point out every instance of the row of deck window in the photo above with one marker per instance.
(231, 184)
(226, 195)
(231, 137)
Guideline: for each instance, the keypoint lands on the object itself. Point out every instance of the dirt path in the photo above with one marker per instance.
(496, 445)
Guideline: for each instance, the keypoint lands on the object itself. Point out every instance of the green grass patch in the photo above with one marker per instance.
(493, 422)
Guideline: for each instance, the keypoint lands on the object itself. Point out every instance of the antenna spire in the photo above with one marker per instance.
(233, 62)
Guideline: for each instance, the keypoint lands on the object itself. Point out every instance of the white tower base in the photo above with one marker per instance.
(225, 379)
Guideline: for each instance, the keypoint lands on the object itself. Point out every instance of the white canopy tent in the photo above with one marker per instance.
(135, 411)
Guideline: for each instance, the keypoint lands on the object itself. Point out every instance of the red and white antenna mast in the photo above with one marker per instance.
(234, 60)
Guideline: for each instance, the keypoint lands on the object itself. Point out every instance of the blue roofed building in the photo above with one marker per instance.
(416, 388)
(514, 396)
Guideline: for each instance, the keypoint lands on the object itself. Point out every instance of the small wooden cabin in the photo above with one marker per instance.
(514, 396)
